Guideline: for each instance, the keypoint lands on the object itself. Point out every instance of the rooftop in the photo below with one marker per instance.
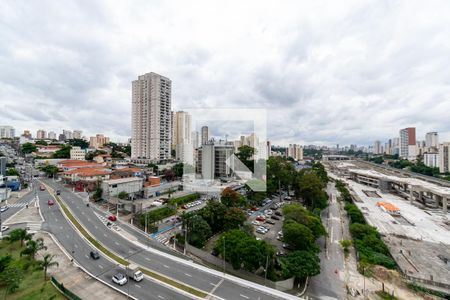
(123, 180)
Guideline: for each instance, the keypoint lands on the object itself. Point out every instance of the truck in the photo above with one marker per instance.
(134, 273)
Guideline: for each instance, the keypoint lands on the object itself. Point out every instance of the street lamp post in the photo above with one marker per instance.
(224, 256)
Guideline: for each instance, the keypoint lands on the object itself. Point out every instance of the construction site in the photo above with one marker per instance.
(411, 216)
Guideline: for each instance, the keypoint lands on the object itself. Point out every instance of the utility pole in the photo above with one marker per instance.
(223, 256)
(267, 267)
(364, 288)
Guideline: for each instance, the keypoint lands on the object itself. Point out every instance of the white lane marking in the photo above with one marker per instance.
(116, 243)
(100, 266)
(137, 285)
(96, 227)
(86, 256)
(160, 297)
(105, 235)
(56, 220)
(147, 258)
(188, 275)
(243, 296)
(166, 266)
(89, 220)
(213, 284)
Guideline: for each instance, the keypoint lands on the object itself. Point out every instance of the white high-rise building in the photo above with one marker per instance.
(68, 135)
(41, 134)
(182, 139)
(151, 117)
(52, 135)
(377, 148)
(77, 134)
(7, 132)
(432, 139)
(431, 160)
(444, 157)
(205, 134)
(195, 139)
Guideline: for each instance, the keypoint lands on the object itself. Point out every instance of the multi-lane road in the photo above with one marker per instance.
(329, 284)
(179, 269)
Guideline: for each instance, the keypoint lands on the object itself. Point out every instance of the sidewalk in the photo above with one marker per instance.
(72, 277)
(76, 280)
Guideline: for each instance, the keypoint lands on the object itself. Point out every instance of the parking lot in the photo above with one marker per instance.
(266, 226)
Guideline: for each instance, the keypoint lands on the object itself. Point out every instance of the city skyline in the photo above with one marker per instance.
(334, 79)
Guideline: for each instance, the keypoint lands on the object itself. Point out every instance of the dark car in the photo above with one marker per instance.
(275, 218)
(278, 213)
(58, 192)
(270, 222)
(95, 254)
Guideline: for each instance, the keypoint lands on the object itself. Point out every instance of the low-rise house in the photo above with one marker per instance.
(87, 174)
(126, 173)
(71, 164)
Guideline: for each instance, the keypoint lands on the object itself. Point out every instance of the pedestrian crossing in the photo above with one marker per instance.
(34, 226)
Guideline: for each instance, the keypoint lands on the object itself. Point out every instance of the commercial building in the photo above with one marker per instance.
(408, 146)
(205, 134)
(76, 153)
(131, 186)
(295, 151)
(151, 117)
(182, 139)
(98, 141)
(41, 134)
(432, 139)
(444, 157)
(7, 132)
(377, 148)
(212, 158)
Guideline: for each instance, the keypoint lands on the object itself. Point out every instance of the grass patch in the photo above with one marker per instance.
(385, 296)
(32, 287)
(180, 201)
(120, 260)
(417, 288)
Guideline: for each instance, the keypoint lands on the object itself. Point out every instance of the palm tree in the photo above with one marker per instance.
(33, 247)
(19, 234)
(48, 262)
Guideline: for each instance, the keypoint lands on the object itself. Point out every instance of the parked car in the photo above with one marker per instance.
(4, 208)
(261, 218)
(255, 223)
(58, 192)
(254, 208)
(268, 212)
(275, 218)
(278, 213)
(270, 222)
(94, 254)
(50, 202)
(120, 279)
(280, 253)
(4, 228)
(112, 218)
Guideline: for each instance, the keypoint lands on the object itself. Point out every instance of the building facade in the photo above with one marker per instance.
(77, 153)
(41, 134)
(408, 147)
(431, 160)
(151, 117)
(432, 139)
(444, 157)
(295, 151)
(98, 141)
(212, 159)
(52, 135)
(77, 134)
(205, 135)
(7, 132)
(182, 137)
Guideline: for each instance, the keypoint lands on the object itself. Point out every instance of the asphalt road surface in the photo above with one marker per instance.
(329, 284)
(187, 274)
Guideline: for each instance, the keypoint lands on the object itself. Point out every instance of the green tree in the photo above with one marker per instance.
(98, 193)
(4, 262)
(33, 247)
(214, 214)
(48, 262)
(28, 148)
(301, 215)
(50, 170)
(311, 191)
(320, 171)
(345, 245)
(234, 218)
(298, 236)
(231, 198)
(79, 143)
(11, 278)
(41, 142)
(301, 264)
(123, 195)
(198, 231)
(19, 234)
(63, 152)
(12, 172)
(245, 153)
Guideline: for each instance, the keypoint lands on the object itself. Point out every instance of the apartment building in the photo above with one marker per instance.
(77, 134)
(98, 141)
(444, 157)
(205, 135)
(408, 146)
(182, 137)
(151, 117)
(7, 132)
(41, 134)
(212, 158)
(76, 153)
(295, 151)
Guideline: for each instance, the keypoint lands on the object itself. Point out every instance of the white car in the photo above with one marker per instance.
(120, 279)
(4, 228)
(4, 208)
(268, 212)
(255, 223)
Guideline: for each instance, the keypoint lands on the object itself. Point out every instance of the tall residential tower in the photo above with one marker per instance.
(151, 117)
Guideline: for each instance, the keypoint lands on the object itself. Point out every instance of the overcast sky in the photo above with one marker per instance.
(326, 71)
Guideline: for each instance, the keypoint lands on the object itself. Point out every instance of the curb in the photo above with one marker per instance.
(171, 287)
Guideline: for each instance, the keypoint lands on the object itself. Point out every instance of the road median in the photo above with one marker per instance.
(122, 261)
